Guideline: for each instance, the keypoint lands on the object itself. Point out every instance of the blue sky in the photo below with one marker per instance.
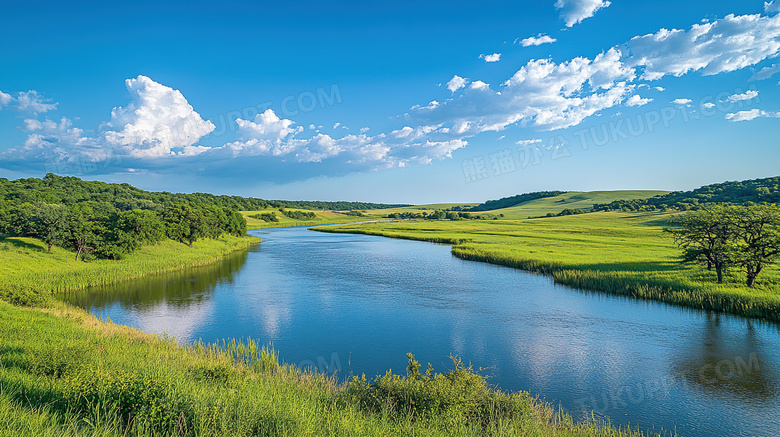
(396, 102)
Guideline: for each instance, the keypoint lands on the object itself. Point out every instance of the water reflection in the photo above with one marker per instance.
(177, 303)
(180, 289)
(728, 361)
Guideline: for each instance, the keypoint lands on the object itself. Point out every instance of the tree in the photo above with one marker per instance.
(705, 234)
(184, 223)
(48, 222)
(79, 230)
(757, 235)
(748, 236)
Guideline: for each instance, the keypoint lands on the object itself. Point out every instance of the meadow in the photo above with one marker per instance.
(619, 253)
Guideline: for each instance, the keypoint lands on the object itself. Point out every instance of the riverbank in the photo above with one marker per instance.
(28, 274)
(65, 373)
(617, 253)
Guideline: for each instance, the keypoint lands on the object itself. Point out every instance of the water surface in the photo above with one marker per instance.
(355, 304)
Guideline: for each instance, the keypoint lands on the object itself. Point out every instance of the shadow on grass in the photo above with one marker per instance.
(19, 244)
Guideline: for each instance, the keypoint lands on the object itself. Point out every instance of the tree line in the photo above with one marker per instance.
(70, 190)
(434, 215)
(724, 236)
(91, 232)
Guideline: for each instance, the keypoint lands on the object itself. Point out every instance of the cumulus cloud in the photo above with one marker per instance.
(31, 101)
(574, 11)
(456, 83)
(724, 45)
(495, 57)
(158, 120)
(636, 100)
(479, 85)
(537, 40)
(747, 95)
(772, 6)
(5, 99)
(542, 93)
(766, 72)
(682, 102)
(748, 115)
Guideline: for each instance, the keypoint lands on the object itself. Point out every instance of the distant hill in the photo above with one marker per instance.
(507, 202)
(740, 193)
(571, 200)
(70, 190)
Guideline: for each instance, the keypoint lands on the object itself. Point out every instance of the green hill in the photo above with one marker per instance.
(571, 200)
(765, 190)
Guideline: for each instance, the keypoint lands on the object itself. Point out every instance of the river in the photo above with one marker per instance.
(354, 304)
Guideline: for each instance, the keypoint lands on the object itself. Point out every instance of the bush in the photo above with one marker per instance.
(22, 294)
(460, 394)
(142, 401)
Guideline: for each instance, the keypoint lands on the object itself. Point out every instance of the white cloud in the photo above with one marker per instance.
(542, 93)
(748, 115)
(635, 100)
(537, 40)
(747, 95)
(766, 72)
(682, 102)
(660, 89)
(456, 83)
(772, 6)
(724, 45)
(495, 57)
(529, 142)
(479, 85)
(5, 99)
(157, 120)
(708, 105)
(574, 11)
(31, 101)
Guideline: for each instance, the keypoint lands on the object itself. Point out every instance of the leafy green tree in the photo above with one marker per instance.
(757, 235)
(184, 223)
(48, 222)
(705, 234)
(138, 228)
(79, 229)
(237, 223)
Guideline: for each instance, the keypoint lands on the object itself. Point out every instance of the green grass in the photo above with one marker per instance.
(28, 273)
(618, 253)
(64, 373)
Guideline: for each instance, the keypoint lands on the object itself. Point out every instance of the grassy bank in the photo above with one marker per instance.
(618, 253)
(64, 373)
(28, 273)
